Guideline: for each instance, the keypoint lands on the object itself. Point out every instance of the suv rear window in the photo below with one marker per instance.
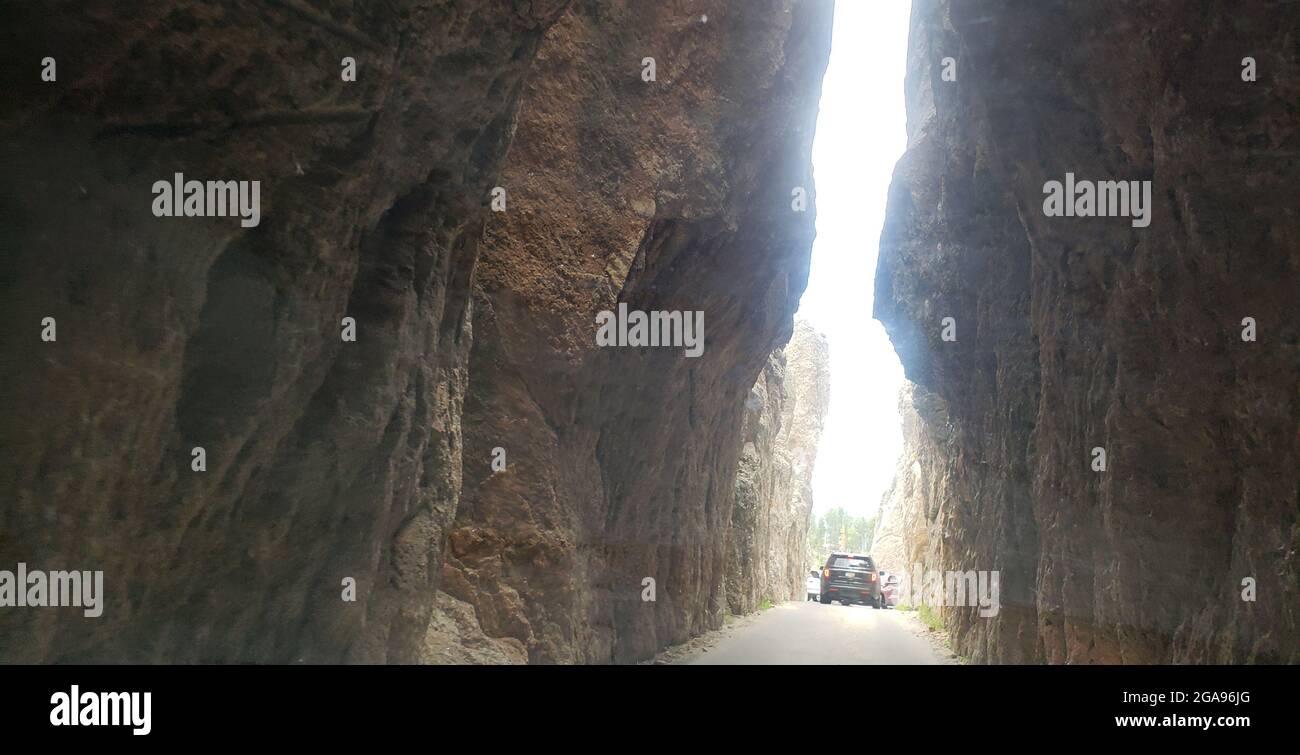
(844, 562)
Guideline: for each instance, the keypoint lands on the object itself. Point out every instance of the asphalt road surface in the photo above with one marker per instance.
(811, 633)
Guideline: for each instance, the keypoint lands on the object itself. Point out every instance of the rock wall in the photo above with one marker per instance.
(1075, 333)
(670, 195)
(902, 524)
(328, 459)
(784, 415)
(325, 459)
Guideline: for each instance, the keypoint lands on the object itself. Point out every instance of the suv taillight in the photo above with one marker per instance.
(826, 573)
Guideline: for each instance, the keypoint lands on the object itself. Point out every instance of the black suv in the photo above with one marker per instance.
(851, 578)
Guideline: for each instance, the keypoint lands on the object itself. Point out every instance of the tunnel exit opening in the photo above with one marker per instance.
(861, 133)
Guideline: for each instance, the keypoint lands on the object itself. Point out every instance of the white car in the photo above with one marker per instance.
(813, 585)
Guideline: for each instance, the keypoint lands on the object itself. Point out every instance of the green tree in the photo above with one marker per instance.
(837, 530)
(860, 532)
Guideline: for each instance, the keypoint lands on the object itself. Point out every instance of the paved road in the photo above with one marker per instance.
(811, 633)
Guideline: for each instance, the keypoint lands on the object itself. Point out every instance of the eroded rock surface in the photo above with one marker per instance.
(1078, 333)
(902, 524)
(784, 415)
(325, 459)
(666, 195)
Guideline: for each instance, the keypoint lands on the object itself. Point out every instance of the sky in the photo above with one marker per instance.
(861, 133)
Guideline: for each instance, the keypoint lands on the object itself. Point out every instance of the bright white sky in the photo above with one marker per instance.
(861, 133)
